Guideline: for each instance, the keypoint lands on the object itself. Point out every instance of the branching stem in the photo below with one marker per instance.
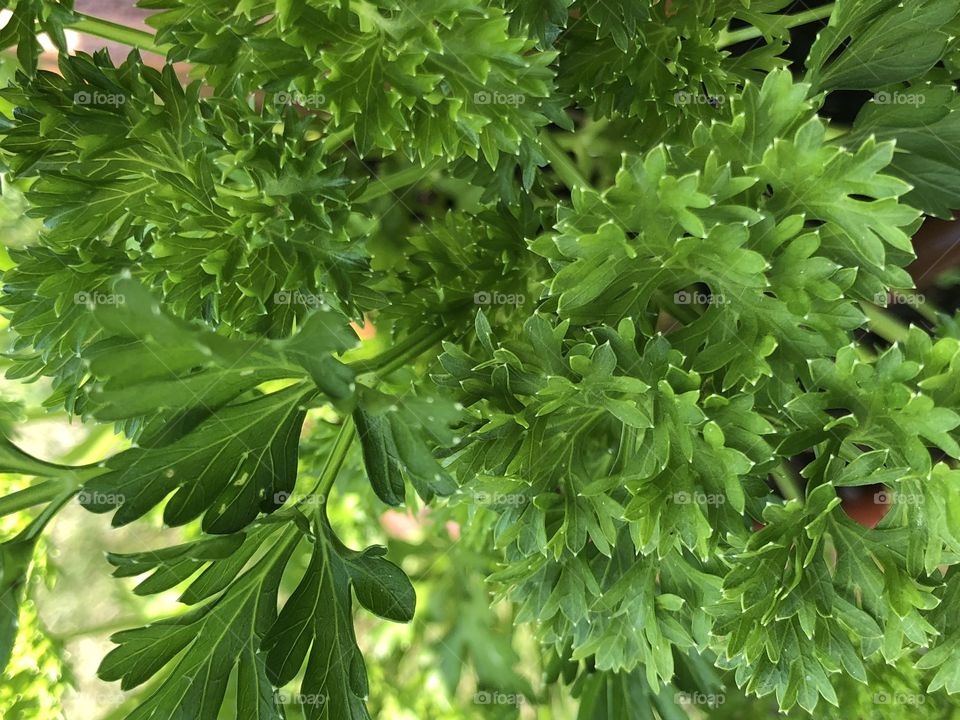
(728, 37)
(118, 33)
(562, 165)
(786, 482)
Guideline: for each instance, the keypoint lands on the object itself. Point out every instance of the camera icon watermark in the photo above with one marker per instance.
(486, 697)
(305, 100)
(296, 297)
(487, 97)
(501, 499)
(899, 98)
(88, 497)
(492, 297)
(93, 298)
(95, 97)
(899, 698)
(897, 298)
(888, 497)
(698, 498)
(682, 97)
(686, 297)
(303, 500)
(283, 697)
(710, 700)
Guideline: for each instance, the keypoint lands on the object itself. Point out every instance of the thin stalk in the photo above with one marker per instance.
(428, 342)
(401, 353)
(927, 310)
(335, 139)
(34, 414)
(118, 33)
(16, 460)
(381, 186)
(42, 492)
(106, 628)
(884, 324)
(786, 482)
(562, 165)
(728, 38)
(382, 364)
(335, 460)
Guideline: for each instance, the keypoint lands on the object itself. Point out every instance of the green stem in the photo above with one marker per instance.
(786, 482)
(884, 324)
(335, 460)
(382, 364)
(432, 339)
(927, 310)
(337, 138)
(118, 33)
(42, 492)
(728, 38)
(15, 460)
(396, 356)
(562, 165)
(381, 186)
(106, 628)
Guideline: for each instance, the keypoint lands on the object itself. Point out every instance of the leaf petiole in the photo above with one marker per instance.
(728, 38)
(338, 455)
(786, 482)
(562, 165)
(385, 185)
(117, 33)
(398, 355)
(36, 494)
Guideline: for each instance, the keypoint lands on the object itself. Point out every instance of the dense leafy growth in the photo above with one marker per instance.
(622, 262)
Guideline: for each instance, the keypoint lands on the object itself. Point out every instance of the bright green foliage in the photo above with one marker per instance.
(632, 376)
(419, 77)
(19, 30)
(889, 42)
(236, 624)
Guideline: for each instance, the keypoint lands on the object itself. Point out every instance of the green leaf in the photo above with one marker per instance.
(227, 449)
(209, 642)
(15, 559)
(925, 123)
(236, 627)
(888, 42)
(380, 456)
(259, 471)
(316, 624)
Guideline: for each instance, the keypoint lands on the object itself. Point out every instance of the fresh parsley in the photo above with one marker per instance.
(621, 271)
